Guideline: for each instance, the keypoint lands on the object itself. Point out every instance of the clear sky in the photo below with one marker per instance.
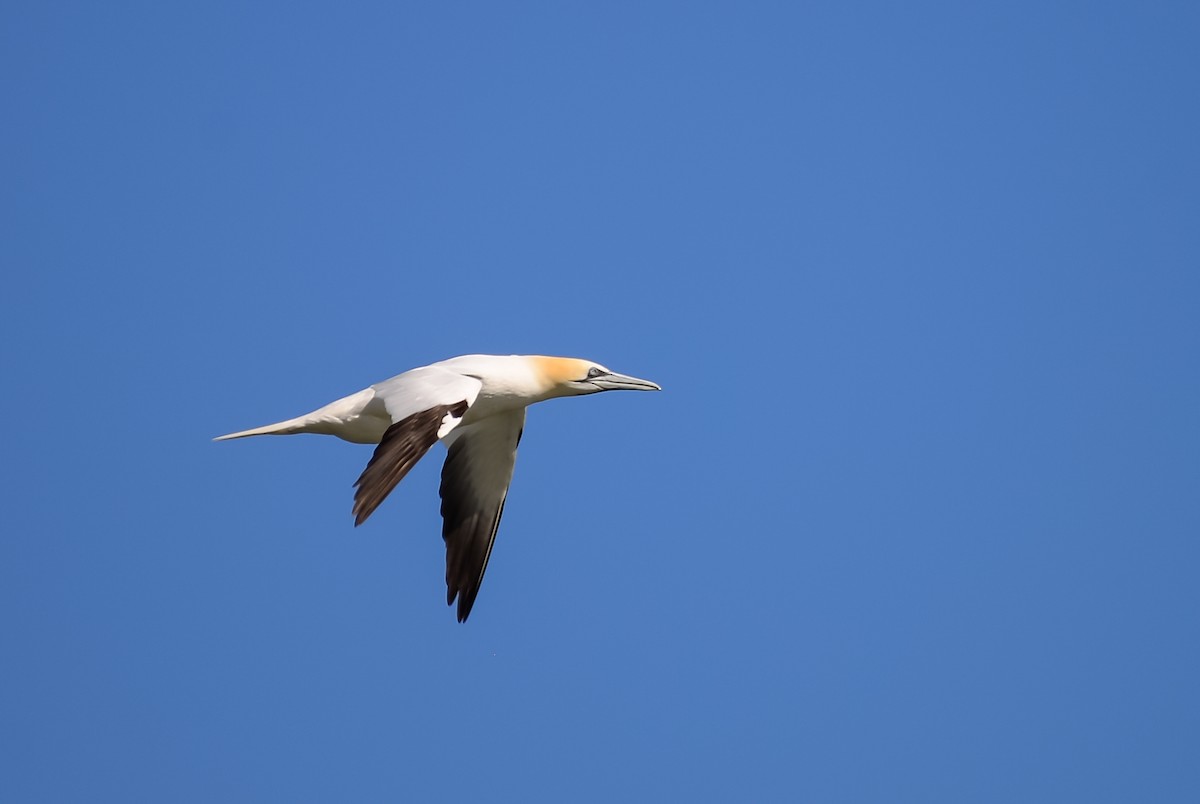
(914, 519)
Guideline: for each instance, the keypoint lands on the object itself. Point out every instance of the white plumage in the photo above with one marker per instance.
(475, 405)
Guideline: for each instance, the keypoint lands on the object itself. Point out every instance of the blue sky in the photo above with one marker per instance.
(915, 517)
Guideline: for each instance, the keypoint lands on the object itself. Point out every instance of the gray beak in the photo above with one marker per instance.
(619, 382)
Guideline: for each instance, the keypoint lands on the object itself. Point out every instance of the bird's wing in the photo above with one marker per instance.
(474, 484)
(424, 404)
(424, 388)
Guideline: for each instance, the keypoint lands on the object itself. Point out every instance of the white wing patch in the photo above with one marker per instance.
(449, 422)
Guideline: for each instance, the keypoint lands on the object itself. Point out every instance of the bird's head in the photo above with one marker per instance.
(569, 376)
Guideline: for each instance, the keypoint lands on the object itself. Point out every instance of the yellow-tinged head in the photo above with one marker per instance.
(570, 376)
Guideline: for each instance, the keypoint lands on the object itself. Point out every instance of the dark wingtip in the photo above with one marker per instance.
(466, 602)
(464, 608)
(361, 510)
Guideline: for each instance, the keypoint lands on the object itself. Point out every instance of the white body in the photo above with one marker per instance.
(491, 383)
(476, 406)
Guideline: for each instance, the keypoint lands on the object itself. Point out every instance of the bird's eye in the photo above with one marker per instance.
(594, 372)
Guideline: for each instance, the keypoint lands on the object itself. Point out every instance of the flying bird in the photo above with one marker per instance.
(475, 405)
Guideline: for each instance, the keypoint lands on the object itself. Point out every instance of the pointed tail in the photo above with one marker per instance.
(300, 424)
(351, 418)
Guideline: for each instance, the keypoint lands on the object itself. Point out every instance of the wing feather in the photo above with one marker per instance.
(423, 388)
(475, 480)
(403, 444)
(424, 405)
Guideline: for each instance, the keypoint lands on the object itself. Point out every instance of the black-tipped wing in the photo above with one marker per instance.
(475, 482)
(402, 446)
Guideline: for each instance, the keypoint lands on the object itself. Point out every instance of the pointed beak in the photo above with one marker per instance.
(620, 382)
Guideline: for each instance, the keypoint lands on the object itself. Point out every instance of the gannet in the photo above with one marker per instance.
(475, 405)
